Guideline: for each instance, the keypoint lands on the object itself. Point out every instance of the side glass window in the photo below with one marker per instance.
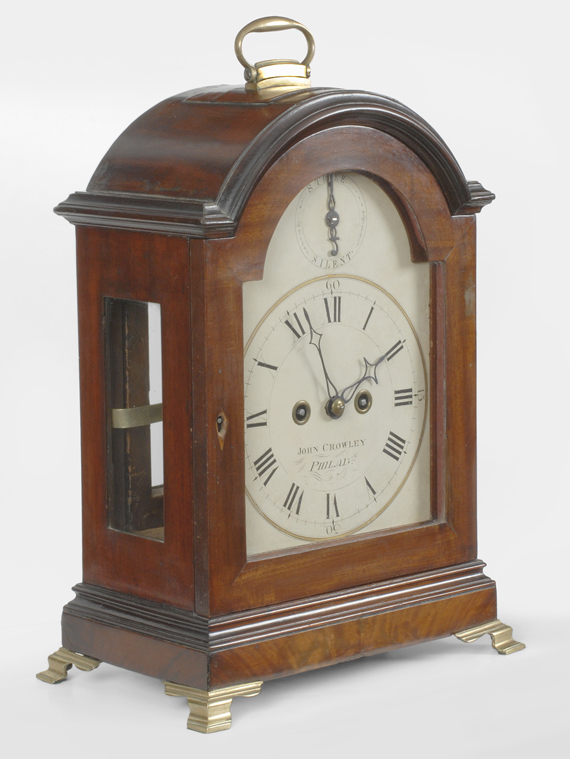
(133, 368)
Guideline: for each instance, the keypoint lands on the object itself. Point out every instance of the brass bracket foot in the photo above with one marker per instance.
(61, 662)
(501, 636)
(210, 710)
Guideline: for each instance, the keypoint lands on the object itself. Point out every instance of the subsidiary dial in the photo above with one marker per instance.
(330, 220)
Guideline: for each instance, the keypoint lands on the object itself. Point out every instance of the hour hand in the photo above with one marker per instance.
(369, 374)
(316, 341)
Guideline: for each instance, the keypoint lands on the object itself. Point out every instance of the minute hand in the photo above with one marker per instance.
(369, 373)
(316, 341)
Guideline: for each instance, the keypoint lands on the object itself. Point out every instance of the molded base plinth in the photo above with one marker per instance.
(210, 661)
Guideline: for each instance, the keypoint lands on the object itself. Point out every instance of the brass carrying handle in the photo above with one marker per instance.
(272, 24)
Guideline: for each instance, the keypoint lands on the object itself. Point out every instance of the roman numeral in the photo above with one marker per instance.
(368, 318)
(264, 463)
(266, 366)
(296, 319)
(335, 309)
(394, 350)
(369, 486)
(332, 504)
(403, 397)
(394, 446)
(260, 422)
(290, 500)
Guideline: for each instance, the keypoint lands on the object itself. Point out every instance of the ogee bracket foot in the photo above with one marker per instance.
(210, 710)
(61, 661)
(501, 636)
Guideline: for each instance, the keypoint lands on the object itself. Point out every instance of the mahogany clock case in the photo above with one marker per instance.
(180, 212)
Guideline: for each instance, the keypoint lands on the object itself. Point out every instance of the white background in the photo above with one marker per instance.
(491, 77)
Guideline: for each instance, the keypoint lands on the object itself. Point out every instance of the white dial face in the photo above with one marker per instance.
(330, 220)
(335, 372)
(335, 407)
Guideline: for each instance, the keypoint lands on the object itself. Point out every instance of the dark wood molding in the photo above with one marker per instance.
(161, 621)
(341, 108)
(186, 628)
(479, 198)
(246, 638)
(172, 142)
(258, 625)
(135, 212)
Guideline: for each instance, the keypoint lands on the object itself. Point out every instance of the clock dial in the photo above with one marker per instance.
(335, 372)
(330, 220)
(335, 407)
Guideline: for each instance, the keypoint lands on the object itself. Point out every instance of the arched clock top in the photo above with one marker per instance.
(189, 165)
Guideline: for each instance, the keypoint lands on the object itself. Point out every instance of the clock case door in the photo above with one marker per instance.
(448, 244)
(194, 609)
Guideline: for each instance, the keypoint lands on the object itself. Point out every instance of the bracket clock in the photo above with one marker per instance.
(276, 291)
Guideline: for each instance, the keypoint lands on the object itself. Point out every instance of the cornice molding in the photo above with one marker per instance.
(218, 217)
